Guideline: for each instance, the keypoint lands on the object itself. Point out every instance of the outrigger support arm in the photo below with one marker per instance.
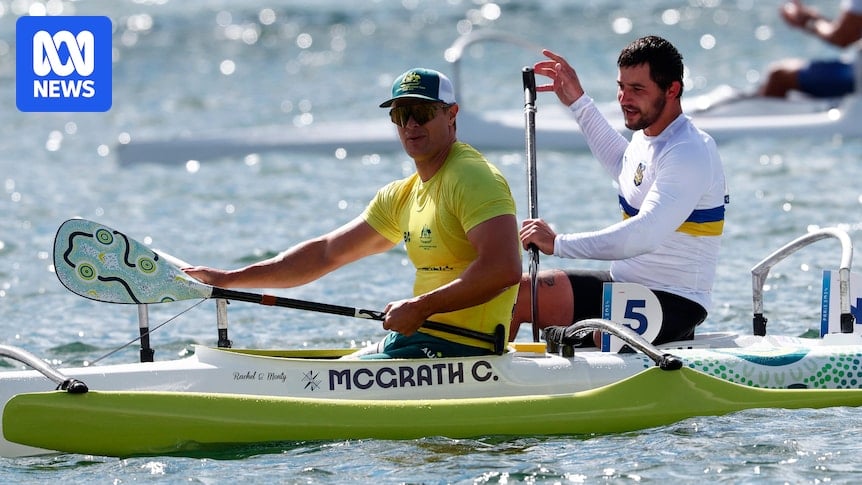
(663, 360)
(73, 386)
(761, 270)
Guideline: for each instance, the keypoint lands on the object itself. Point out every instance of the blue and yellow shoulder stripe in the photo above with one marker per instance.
(701, 222)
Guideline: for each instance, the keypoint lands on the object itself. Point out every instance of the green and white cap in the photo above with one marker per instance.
(420, 83)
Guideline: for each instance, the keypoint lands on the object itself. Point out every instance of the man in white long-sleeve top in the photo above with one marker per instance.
(672, 194)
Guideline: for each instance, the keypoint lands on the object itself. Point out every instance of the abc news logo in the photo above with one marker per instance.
(63, 64)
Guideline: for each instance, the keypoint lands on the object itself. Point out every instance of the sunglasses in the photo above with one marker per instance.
(421, 113)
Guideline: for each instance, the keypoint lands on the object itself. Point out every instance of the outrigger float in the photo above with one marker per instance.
(220, 397)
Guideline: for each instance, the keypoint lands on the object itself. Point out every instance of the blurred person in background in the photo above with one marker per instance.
(823, 78)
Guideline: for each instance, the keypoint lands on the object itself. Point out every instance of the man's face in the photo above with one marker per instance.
(423, 126)
(641, 99)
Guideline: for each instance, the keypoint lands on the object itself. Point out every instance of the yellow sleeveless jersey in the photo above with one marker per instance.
(432, 219)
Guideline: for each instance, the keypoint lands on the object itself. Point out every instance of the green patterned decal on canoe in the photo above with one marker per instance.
(789, 368)
(102, 264)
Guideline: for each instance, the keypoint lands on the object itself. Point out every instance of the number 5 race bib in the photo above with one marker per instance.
(634, 306)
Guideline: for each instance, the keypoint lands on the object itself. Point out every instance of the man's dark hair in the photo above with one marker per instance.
(664, 61)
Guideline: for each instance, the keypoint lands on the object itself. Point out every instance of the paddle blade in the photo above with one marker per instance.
(105, 265)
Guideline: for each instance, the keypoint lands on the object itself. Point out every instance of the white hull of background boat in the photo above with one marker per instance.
(724, 113)
(500, 130)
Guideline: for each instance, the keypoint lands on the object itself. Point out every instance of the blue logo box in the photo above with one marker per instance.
(63, 64)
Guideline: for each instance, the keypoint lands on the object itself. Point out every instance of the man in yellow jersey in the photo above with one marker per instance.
(455, 215)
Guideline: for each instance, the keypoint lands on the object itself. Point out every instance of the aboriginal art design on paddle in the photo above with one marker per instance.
(103, 264)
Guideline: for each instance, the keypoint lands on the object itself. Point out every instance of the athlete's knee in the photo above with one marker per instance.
(780, 79)
(521, 311)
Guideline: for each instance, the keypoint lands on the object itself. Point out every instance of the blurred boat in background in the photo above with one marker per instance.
(725, 113)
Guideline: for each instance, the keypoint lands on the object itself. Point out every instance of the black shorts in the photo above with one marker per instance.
(680, 315)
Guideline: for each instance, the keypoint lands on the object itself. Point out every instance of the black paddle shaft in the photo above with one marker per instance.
(529, 78)
(497, 339)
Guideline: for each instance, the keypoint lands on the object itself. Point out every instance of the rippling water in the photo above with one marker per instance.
(197, 65)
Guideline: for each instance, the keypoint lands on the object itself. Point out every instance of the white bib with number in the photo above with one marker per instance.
(634, 306)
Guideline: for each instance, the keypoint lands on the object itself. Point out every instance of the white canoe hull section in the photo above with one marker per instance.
(771, 362)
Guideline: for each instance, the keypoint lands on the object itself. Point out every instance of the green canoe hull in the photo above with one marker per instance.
(173, 423)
